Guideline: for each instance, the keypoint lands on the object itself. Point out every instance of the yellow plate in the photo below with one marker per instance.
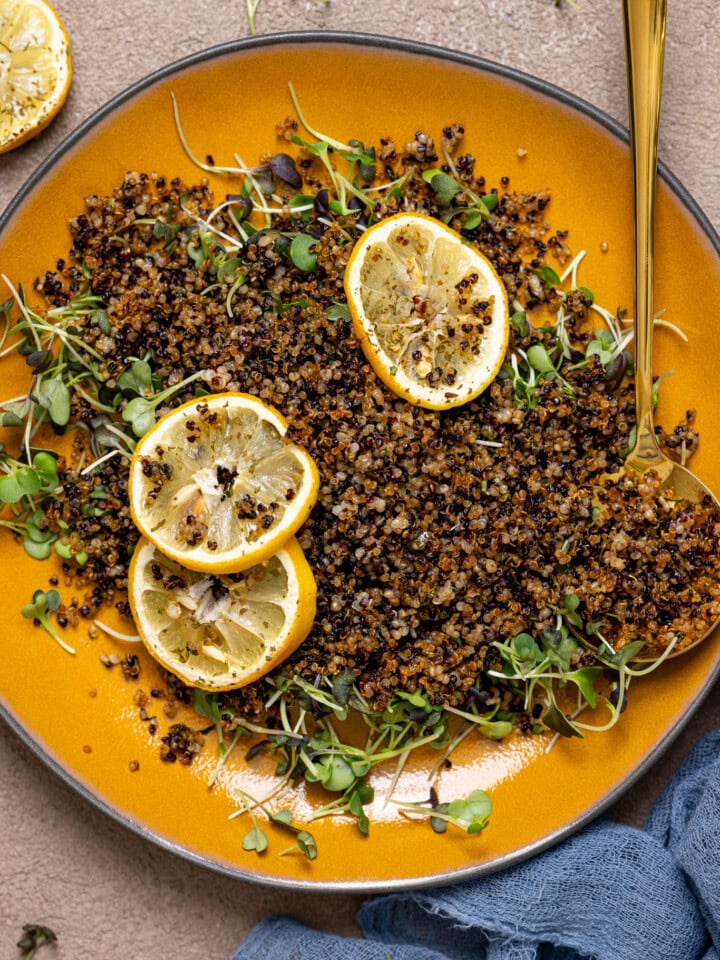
(231, 99)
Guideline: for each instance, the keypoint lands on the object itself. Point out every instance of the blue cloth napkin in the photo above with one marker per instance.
(610, 892)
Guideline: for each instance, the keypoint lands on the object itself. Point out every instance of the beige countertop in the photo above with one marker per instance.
(107, 893)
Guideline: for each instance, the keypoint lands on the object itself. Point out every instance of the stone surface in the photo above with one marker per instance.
(109, 894)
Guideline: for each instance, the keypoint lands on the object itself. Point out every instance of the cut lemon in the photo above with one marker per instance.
(429, 310)
(221, 632)
(217, 486)
(35, 69)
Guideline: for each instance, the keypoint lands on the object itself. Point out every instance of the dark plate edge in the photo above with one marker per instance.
(438, 53)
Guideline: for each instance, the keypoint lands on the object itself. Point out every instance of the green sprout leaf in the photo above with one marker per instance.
(13, 417)
(24, 481)
(300, 253)
(138, 379)
(140, 414)
(342, 687)
(440, 823)
(334, 773)
(35, 935)
(519, 320)
(624, 656)
(559, 646)
(470, 814)
(539, 359)
(228, 268)
(585, 679)
(548, 276)
(569, 610)
(40, 608)
(205, 704)
(496, 729)
(556, 720)
(53, 395)
(444, 187)
(284, 817)
(474, 812)
(472, 219)
(166, 231)
(338, 311)
(255, 839)
(306, 843)
(46, 465)
(526, 649)
(36, 550)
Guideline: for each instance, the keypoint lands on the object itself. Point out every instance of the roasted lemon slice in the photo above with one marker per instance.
(429, 310)
(35, 69)
(221, 632)
(216, 486)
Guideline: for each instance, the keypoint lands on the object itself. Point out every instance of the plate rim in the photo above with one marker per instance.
(482, 64)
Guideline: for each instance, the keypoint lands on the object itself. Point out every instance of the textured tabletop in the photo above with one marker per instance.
(108, 894)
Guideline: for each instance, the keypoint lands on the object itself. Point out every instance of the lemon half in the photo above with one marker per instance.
(429, 310)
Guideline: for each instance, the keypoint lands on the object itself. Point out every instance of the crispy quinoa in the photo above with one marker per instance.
(428, 545)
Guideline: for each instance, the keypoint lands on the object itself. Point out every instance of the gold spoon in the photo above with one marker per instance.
(645, 46)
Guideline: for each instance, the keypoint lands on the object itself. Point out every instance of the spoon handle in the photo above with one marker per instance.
(645, 48)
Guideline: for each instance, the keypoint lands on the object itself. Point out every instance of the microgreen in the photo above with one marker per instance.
(257, 840)
(308, 744)
(53, 395)
(524, 379)
(449, 196)
(251, 7)
(63, 364)
(444, 186)
(305, 843)
(470, 814)
(35, 935)
(206, 705)
(40, 609)
(138, 379)
(539, 358)
(543, 666)
(21, 480)
(519, 320)
(338, 311)
(140, 411)
(301, 252)
(304, 840)
(548, 276)
(25, 488)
